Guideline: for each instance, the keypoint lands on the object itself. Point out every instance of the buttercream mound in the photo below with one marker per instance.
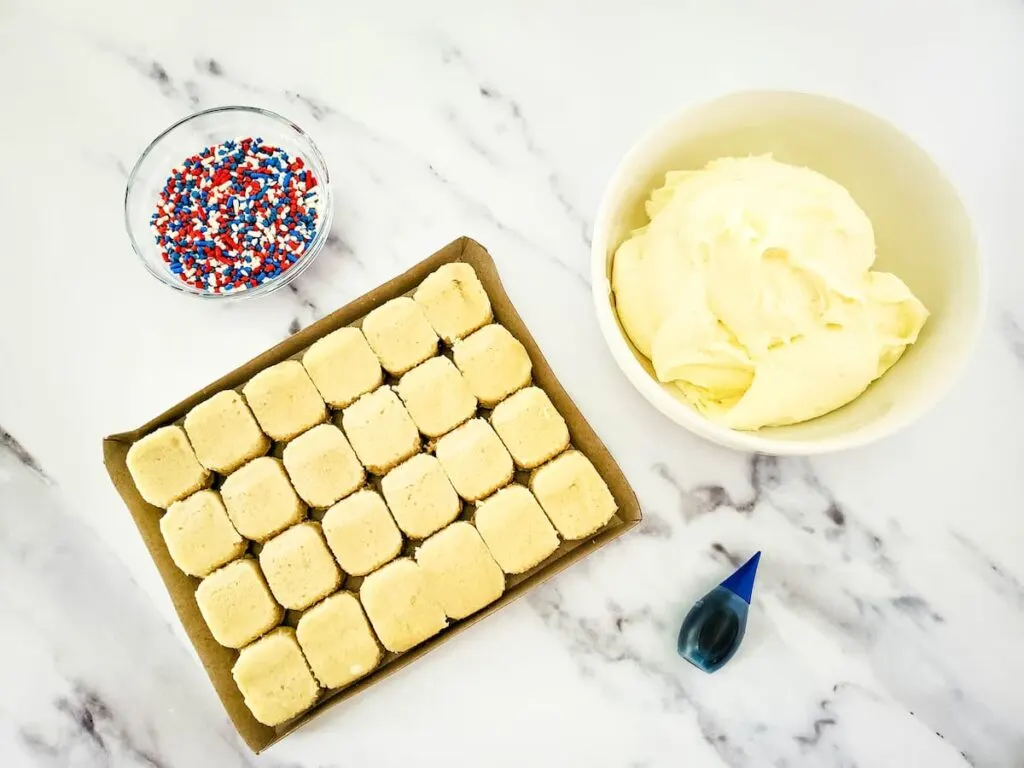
(751, 290)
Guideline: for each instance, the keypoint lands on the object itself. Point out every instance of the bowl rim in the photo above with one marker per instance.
(316, 244)
(686, 415)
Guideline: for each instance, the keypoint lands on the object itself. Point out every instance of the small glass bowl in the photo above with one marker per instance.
(190, 136)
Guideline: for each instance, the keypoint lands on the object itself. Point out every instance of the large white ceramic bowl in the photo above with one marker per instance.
(922, 231)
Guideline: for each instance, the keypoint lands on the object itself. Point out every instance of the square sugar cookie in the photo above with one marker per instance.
(420, 496)
(299, 568)
(236, 603)
(224, 433)
(460, 571)
(515, 529)
(400, 335)
(322, 465)
(165, 468)
(400, 607)
(342, 366)
(337, 640)
(530, 427)
(494, 363)
(454, 301)
(361, 533)
(274, 679)
(573, 495)
(260, 499)
(437, 397)
(380, 430)
(284, 400)
(199, 535)
(474, 459)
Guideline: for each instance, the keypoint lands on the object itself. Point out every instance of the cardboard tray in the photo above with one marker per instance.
(217, 659)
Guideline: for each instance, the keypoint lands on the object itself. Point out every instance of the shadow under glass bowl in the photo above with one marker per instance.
(190, 136)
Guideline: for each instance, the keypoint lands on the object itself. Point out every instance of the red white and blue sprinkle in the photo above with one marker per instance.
(236, 215)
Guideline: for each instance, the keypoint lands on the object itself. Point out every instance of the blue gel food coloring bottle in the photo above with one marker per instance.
(713, 629)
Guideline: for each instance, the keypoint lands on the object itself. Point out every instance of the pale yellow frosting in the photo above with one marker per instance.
(751, 291)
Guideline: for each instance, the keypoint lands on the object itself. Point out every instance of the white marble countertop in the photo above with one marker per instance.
(888, 619)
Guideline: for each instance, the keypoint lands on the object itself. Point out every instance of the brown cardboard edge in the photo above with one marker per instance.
(218, 660)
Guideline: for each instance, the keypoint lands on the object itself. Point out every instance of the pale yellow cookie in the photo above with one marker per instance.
(322, 465)
(454, 301)
(474, 459)
(224, 433)
(260, 499)
(420, 496)
(274, 679)
(165, 468)
(337, 641)
(284, 400)
(361, 533)
(299, 568)
(460, 571)
(437, 396)
(236, 603)
(343, 367)
(494, 363)
(399, 605)
(380, 430)
(400, 335)
(573, 495)
(199, 535)
(530, 427)
(515, 529)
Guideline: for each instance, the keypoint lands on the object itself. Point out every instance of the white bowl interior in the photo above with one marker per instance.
(922, 232)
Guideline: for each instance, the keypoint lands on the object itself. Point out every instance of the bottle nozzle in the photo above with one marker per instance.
(741, 582)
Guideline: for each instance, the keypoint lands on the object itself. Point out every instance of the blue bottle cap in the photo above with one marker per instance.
(741, 583)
